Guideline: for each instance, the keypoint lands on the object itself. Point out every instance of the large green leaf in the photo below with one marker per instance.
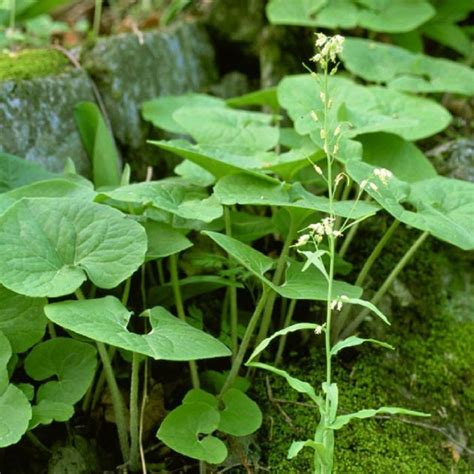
(405, 71)
(378, 15)
(403, 158)
(99, 144)
(22, 319)
(160, 111)
(310, 285)
(56, 187)
(233, 130)
(249, 227)
(368, 109)
(188, 202)
(72, 364)
(164, 240)
(16, 172)
(184, 430)
(106, 319)
(262, 97)
(14, 406)
(261, 191)
(48, 246)
(442, 206)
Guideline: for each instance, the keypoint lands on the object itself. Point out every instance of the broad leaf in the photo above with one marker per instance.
(22, 319)
(99, 144)
(48, 246)
(106, 319)
(188, 202)
(369, 413)
(241, 416)
(368, 108)
(376, 15)
(14, 406)
(441, 206)
(52, 188)
(249, 227)
(164, 240)
(16, 172)
(47, 411)
(72, 364)
(262, 97)
(403, 158)
(245, 189)
(405, 71)
(185, 428)
(235, 130)
(352, 341)
(160, 111)
(194, 173)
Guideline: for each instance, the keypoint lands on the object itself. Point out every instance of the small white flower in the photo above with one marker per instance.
(335, 149)
(383, 174)
(374, 187)
(303, 240)
(314, 116)
(363, 184)
(329, 103)
(337, 131)
(318, 228)
(337, 233)
(318, 170)
(322, 96)
(321, 39)
(322, 134)
(318, 330)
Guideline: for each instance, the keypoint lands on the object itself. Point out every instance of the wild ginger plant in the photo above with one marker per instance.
(328, 231)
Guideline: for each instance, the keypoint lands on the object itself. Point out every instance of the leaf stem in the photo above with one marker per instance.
(350, 329)
(134, 414)
(97, 17)
(178, 299)
(239, 358)
(232, 293)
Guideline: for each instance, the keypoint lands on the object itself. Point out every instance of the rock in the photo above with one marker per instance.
(129, 70)
(36, 113)
(232, 84)
(456, 159)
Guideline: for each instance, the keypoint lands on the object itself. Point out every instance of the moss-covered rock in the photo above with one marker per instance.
(431, 370)
(29, 64)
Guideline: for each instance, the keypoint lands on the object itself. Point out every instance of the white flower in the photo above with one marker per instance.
(303, 240)
(318, 228)
(383, 174)
(337, 131)
(318, 170)
(321, 39)
(335, 149)
(322, 96)
(322, 134)
(337, 233)
(363, 184)
(374, 187)
(314, 116)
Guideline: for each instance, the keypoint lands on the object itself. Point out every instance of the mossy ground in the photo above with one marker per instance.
(29, 64)
(431, 370)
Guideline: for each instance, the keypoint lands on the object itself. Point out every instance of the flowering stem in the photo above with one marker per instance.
(350, 329)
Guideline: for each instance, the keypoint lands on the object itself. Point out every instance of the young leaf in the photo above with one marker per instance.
(22, 319)
(241, 415)
(197, 395)
(99, 144)
(314, 258)
(184, 428)
(369, 413)
(72, 363)
(48, 246)
(297, 446)
(47, 411)
(106, 319)
(352, 341)
(368, 305)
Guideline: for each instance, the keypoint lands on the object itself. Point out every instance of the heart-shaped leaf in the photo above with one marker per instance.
(241, 415)
(47, 411)
(188, 202)
(22, 319)
(160, 111)
(164, 240)
(72, 363)
(184, 428)
(369, 109)
(254, 190)
(106, 319)
(14, 406)
(403, 158)
(16, 172)
(441, 206)
(405, 71)
(48, 246)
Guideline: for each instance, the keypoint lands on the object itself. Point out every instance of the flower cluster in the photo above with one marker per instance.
(318, 230)
(328, 48)
(338, 302)
(382, 174)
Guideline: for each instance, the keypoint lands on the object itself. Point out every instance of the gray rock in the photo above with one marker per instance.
(456, 159)
(128, 71)
(37, 122)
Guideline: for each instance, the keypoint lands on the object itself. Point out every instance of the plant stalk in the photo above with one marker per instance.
(239, 358)
(350, 329)
(286, 323)
(134, 414)
(97, 17)
(173, 259)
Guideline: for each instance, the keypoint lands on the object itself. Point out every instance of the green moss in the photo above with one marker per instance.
(32, 63)
(431, 370)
